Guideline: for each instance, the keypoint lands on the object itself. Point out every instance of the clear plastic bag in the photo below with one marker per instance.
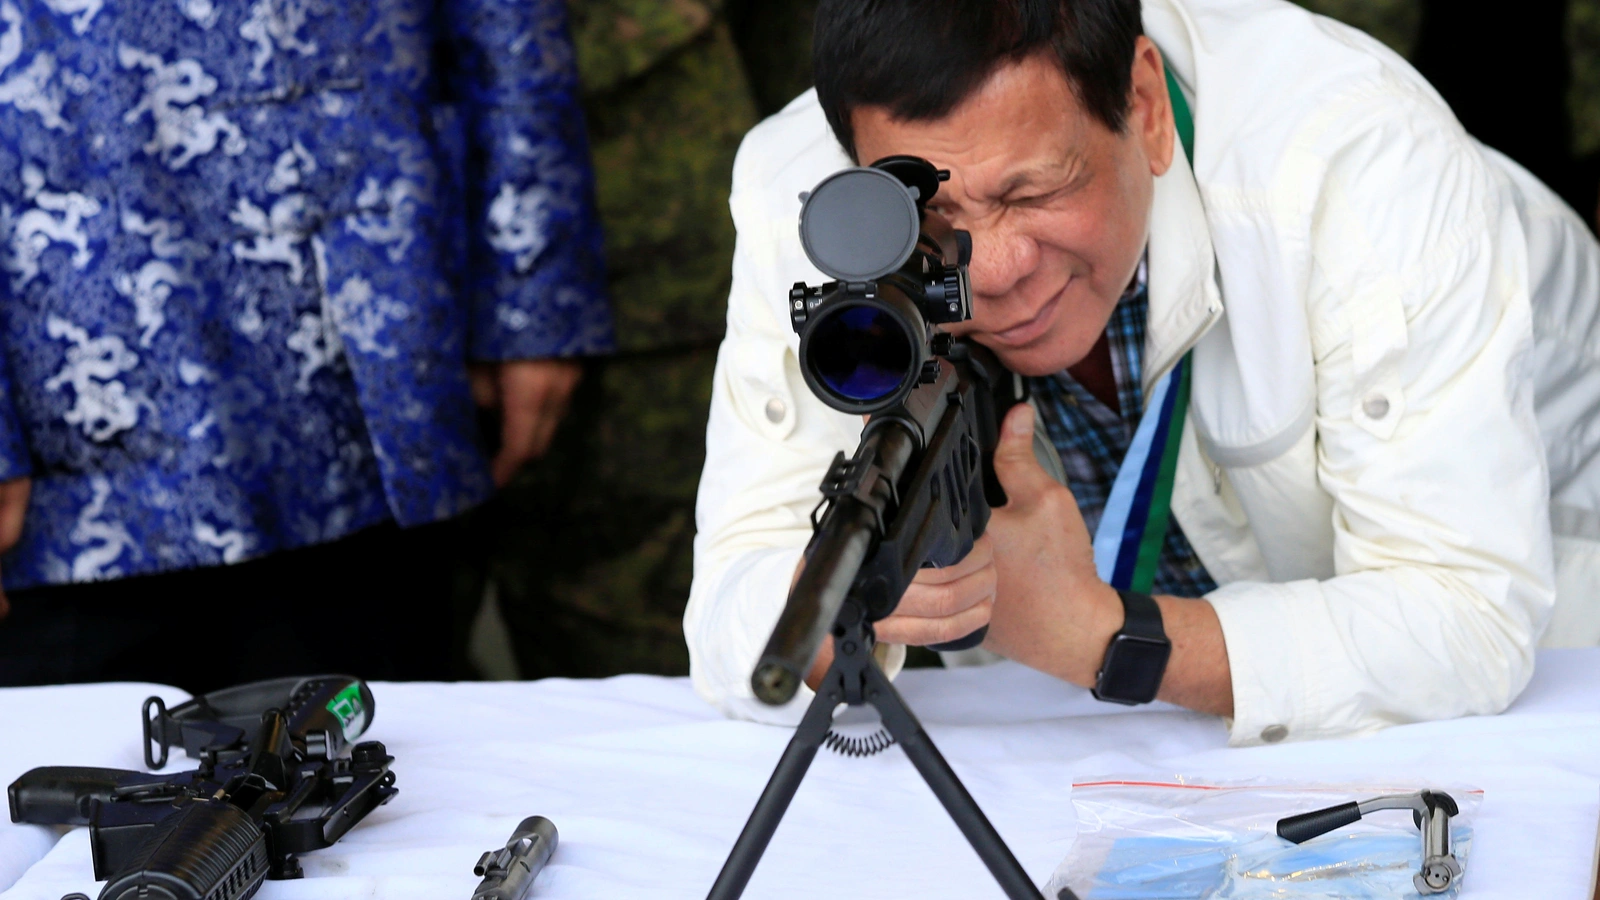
(1149, 840)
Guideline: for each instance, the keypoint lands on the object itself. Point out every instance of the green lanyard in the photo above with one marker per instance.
(1181, 116)
(1138, 512)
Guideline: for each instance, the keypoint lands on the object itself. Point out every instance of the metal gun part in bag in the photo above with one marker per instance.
(1431, 810)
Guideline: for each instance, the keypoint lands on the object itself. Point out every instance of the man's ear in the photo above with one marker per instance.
(1150, 113)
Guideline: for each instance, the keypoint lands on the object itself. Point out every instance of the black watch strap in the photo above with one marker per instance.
(1137, 658)
(1142, 617)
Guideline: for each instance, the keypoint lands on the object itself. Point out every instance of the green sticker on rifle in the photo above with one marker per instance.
(347, 707)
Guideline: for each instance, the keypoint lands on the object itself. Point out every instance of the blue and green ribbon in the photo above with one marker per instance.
(1133, 528)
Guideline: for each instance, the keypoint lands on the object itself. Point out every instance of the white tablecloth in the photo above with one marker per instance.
(649, 787)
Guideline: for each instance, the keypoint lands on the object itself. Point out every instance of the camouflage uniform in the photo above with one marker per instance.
(1583, 101)
(590, 549)
(1583, 41)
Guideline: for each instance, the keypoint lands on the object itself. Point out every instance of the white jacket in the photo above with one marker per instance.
(1394, 395)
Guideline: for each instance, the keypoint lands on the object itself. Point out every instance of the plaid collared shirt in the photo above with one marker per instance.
(1092, 438)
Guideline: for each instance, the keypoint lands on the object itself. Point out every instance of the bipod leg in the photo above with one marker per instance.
(854, 678)
(775, 798)
(909, 734)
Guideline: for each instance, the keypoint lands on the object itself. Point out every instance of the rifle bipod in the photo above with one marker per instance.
(855, 679)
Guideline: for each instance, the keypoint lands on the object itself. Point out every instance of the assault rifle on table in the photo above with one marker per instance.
(916, 493)
(272, 783)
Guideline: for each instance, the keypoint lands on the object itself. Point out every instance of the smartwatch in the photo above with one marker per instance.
(1137, 657)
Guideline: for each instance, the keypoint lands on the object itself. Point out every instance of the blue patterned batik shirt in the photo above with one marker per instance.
(1093, 438)
(246, 249)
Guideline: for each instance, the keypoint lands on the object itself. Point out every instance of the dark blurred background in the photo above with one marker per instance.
(582, 566)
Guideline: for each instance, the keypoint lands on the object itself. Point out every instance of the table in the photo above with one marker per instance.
(649, 787)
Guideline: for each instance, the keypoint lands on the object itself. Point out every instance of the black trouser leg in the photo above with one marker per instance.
(375, 605)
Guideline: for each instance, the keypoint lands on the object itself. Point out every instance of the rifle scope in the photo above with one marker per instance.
(870, 345)
(867, 339)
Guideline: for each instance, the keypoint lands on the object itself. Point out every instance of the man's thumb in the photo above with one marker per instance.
(1014, 463)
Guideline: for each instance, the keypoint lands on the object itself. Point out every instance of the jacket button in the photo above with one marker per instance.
(776, 410)
(1272, 734)
(1376, 406)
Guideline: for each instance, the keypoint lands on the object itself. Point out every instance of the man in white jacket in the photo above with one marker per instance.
(1387, 479)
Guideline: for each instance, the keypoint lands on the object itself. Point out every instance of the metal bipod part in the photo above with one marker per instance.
(1431, 810)
(855, 679)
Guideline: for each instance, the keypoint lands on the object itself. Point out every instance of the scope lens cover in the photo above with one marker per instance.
(859, 224)
(862, 353)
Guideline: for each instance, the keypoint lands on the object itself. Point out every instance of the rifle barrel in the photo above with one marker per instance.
(848, 534)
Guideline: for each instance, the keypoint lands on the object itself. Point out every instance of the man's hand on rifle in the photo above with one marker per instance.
(1052, 611)
(1054, 607)
(945, 604)
(941, 605)
(13, 504)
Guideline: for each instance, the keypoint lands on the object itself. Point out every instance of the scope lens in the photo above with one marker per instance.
(862, 353)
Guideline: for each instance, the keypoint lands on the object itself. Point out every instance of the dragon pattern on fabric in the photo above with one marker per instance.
(246, 250)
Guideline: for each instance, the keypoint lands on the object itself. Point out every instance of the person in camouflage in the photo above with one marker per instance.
(589, 550)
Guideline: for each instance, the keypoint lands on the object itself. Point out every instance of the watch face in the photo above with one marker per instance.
(1133, 669)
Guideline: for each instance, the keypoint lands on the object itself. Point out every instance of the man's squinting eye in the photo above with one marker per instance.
(1042, 197)
(1035, 199)
(1070, 181)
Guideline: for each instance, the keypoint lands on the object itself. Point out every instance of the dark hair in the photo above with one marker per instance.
(921, 58)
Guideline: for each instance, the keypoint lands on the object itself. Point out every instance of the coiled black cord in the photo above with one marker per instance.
(847, 745)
